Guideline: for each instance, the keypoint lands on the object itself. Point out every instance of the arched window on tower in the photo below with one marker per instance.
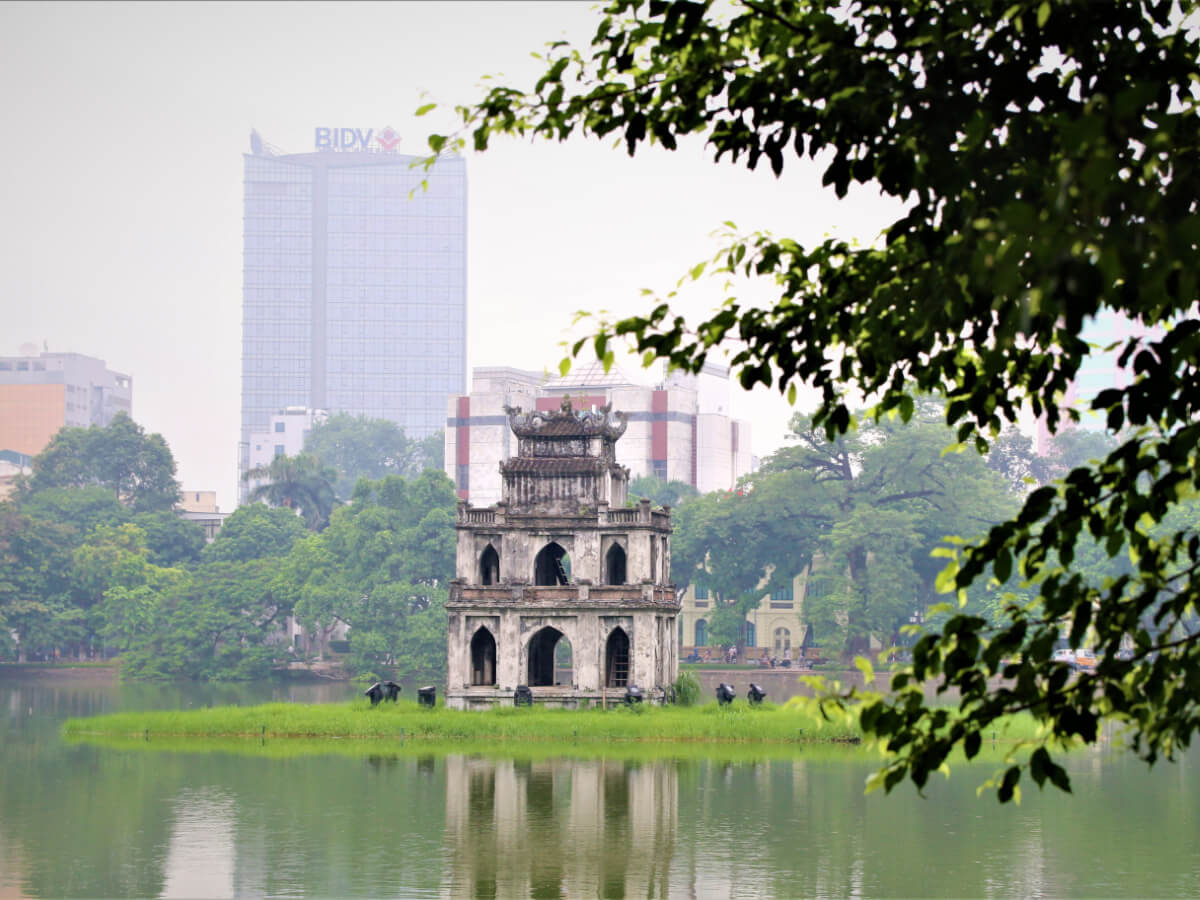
(552, 566)
(483, 658)
(616, 659)
(614, 565)
(489, 566)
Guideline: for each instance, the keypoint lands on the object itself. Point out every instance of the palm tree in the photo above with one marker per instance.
(302, 483)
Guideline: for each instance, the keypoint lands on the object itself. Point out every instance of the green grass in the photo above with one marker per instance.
(357, 719)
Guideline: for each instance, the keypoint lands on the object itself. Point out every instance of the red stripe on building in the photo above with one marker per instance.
(658, 427)
(462, 438)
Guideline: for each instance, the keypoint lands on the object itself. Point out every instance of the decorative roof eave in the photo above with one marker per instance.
(555, 465)
(566, 422)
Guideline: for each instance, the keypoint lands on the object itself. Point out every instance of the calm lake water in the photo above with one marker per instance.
(79, 820)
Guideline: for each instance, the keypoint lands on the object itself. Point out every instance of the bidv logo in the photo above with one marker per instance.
(368, 141)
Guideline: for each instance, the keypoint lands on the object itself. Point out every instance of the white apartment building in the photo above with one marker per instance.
(679, 430)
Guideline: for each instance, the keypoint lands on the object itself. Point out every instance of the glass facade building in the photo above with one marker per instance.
(354, 287)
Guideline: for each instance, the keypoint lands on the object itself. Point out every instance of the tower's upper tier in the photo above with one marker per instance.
(566, 459)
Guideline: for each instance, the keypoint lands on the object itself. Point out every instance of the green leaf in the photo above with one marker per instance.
(1043, 14)
(428, 107)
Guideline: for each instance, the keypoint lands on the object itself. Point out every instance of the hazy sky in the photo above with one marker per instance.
(120, 192)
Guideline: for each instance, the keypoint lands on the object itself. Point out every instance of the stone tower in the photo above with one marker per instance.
(560, 562)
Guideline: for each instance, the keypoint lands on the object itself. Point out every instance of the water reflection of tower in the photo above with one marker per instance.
(559, 827)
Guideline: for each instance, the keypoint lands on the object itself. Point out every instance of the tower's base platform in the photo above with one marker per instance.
(557, 697)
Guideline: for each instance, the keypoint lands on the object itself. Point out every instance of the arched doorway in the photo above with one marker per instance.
(483, 658)
(616, 659)
(541, 657)
(489, 566)
(701, 633)
(783, 640)
(614, 565)
(552, 565)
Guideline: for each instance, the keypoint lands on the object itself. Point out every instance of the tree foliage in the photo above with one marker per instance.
(1045, 155)
(659, 492)
(255, 531)
(136, 467)
(382, 568)
(302, 483)
(216, 624)
(361, 447)
(863, 513)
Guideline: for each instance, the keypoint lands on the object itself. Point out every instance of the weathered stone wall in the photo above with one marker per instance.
(518, 538)
(558, 491)
(514, 621)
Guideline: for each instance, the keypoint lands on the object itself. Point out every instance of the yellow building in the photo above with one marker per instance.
(775, 627)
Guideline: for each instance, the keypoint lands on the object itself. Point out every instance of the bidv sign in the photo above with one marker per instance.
(363, 140)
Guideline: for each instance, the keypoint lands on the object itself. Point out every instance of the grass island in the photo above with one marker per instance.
(739, 724)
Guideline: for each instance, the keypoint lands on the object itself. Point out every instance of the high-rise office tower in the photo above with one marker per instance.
(354, 282)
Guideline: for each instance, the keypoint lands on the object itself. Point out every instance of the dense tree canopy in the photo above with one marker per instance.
(136, 467)
(381, 567)
(659, 492)
(255, 531)
(302, 483)
(89, 570)
(865, 510)
(1045, 154)
(361, 447)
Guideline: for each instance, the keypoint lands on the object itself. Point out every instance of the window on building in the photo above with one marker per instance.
(279, 427)
(700, 592)
(782, 599)
(552, 566)
(783, 641)
(489, 566)
(483, 658)
(280, 450)
(701, 633)
(616, 656)
(615, 565)
(818, 586)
